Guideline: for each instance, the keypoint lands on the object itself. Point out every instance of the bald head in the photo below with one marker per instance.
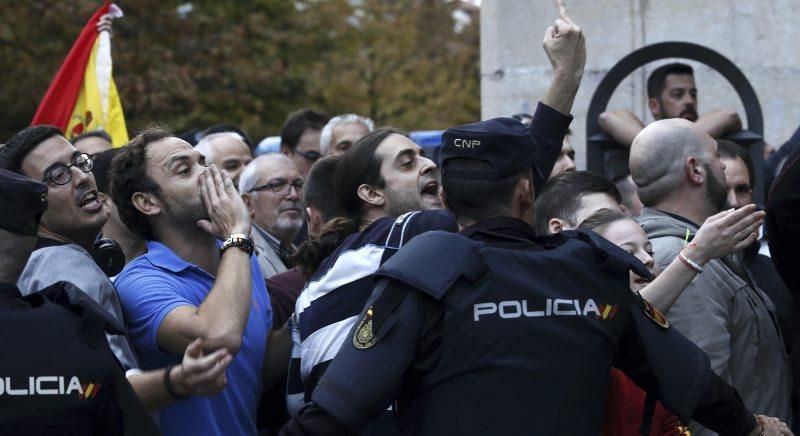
(658, 156)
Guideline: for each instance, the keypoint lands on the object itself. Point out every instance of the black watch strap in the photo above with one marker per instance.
(240, 241)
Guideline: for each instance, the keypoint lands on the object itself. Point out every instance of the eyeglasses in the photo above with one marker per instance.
(312, 155)
(281, 187)
(61, 174)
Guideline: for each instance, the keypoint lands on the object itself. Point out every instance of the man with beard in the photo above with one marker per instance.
(271, 188)
(190, 285)
(389, 193)
(671, 93)
(382, 177)
(64, 252)
(680, 177)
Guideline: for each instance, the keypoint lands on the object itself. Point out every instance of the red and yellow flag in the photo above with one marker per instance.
(83, 96)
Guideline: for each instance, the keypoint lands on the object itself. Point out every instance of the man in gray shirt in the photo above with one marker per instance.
(680, 178)
(67, 233)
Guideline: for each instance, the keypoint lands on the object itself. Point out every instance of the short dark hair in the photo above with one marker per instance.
(657, 79)
(562, 195)
(478, 199)
(360, 165)
(599, 220)
(318, 190)
(93, 134)
(222, 128)
(102, 168)
(129, 175)
(22, 143)
(732, 150)
(297, 122)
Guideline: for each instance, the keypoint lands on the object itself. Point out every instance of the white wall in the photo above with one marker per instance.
(758, 36)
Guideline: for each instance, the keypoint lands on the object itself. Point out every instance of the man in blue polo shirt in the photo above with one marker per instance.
(188, 285)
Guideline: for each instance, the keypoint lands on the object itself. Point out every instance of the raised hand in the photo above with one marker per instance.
(565, 45)
(724, 233)
(226, 210)
(566, 48)
(104, 24)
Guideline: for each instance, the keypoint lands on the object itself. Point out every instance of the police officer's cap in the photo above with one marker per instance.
(24, 200)
(504, 143)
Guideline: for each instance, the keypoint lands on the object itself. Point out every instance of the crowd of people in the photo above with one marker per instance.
(350, 284)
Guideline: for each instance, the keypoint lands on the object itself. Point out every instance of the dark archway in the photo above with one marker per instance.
(601, 149)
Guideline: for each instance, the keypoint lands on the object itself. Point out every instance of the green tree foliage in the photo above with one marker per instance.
(251, 63)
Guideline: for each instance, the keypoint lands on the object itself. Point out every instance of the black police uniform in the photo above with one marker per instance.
(494, 331)
(58, 374)
(509, 335)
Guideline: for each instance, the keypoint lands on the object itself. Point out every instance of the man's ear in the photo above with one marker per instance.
(655, 107)
(557, 225)
(285, 149)
(371, 195)
(146, 203)
(695, 173)
(314, 220)
(524, 192)
(443, 197)
(247, 197)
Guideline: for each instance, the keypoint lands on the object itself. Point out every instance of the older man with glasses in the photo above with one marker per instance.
(272, 187)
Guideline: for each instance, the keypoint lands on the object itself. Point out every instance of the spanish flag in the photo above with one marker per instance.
(83, 96)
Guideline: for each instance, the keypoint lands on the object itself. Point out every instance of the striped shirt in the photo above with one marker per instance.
(329, 305)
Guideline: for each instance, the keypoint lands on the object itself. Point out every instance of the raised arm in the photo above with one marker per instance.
(565, 46)
(221, 318)
(720, 122)
(722, 234)
(621, 125)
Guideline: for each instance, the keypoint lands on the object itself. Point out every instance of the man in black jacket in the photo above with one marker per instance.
(59, 374)
(474, 333)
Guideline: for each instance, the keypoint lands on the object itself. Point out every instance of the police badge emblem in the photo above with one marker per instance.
(364, 337)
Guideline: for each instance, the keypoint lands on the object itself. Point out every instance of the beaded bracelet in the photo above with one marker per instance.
(690, 263)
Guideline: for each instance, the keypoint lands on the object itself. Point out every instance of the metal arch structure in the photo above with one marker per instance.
(601, 148)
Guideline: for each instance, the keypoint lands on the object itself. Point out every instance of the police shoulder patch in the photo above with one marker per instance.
(655, 315)
(363, 336)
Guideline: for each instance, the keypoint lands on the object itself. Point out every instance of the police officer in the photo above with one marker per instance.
(493, 331)
(58, 374)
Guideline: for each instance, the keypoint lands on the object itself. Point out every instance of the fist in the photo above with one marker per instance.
(565, 45)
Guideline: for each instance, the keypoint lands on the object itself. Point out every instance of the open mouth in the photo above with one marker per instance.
(90, 201)
(641, 281)
(431, 189)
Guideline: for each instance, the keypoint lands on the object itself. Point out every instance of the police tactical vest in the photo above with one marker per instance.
(528, 336)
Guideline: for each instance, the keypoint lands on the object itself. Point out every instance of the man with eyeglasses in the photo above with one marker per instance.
(66, 236)
(272, 187)
(300, 136)
(740, 179)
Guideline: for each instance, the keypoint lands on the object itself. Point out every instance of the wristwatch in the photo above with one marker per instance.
(238, 240)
